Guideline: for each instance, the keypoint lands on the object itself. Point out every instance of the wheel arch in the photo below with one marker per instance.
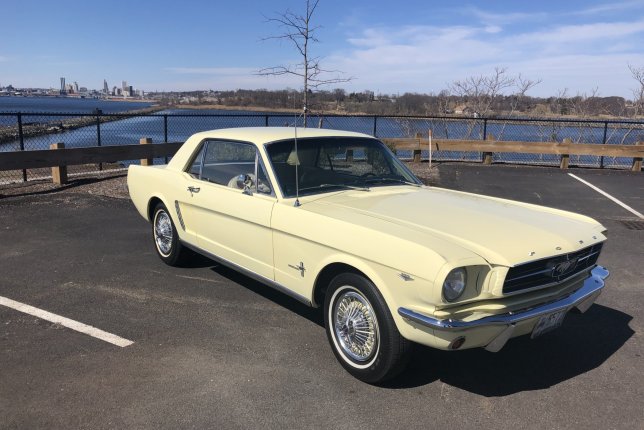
(325, 276)
(331, 269)
(152, 203)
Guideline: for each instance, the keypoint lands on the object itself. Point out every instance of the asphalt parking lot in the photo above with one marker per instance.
(214, 349)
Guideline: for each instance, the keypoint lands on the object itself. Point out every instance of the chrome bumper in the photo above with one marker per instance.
(581, 299)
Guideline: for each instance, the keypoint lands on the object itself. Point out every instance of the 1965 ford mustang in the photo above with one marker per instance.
(335, 220)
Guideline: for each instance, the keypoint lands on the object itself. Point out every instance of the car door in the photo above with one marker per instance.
(231, 206)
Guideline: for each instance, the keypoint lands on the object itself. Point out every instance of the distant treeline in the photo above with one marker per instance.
(367, 102)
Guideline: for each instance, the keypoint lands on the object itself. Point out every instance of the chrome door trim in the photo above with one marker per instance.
(249, 273)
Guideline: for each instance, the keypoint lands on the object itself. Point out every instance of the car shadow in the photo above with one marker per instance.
(583, 343)
(312, 314)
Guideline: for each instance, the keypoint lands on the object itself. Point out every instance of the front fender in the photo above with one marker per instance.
(394, 288)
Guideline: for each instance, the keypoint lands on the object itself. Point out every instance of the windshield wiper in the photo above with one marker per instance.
(400, 181)
(345, 186)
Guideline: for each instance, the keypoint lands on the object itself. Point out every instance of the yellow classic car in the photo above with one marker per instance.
(335, 220)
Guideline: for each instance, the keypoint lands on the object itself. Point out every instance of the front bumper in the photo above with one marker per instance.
(581, 299)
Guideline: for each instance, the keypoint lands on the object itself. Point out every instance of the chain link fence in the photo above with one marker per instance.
(32, 131)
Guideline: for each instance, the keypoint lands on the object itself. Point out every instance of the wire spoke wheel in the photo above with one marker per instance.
(163, 232)
(355, 325)
(361, 330)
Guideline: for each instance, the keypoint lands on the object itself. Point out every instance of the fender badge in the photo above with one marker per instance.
(405, 277)
(301, 268)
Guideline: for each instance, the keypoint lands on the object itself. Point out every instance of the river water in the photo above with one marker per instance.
(183, 123)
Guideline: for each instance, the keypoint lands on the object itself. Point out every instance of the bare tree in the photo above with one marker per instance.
(480, 91)
(300, 31)
(523, 85)
(638, 93)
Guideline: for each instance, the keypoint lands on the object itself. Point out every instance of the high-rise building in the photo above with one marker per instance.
(75, 87)
(106, 89)
(62, 85)
(124, 85)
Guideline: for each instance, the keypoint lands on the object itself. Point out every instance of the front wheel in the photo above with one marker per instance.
(361, 330)
(166, 238)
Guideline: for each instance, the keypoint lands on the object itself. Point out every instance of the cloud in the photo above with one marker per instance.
(583, 32)
(221, 78)
(610, 7)
(428, 58)
(223, 71)
(503, 18)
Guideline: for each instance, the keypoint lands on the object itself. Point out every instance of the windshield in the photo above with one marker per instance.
(334, 163)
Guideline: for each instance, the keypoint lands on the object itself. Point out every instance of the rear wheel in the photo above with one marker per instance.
(166, 238)
(361, 330)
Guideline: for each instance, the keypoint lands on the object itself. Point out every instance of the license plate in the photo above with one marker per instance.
(548, 323)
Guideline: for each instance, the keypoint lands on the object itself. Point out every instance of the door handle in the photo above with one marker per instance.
(193, 190)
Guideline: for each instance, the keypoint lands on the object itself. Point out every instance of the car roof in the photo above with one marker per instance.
(262, 135)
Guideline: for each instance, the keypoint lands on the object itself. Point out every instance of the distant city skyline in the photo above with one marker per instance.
(415, 46)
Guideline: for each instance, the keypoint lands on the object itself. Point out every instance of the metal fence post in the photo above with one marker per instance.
(22, 143)
(98, 133)
(265, 120)
(486, 157)
(375, 125)
(165, 133)
(601, 159)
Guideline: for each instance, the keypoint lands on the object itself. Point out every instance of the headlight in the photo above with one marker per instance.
(454, 284)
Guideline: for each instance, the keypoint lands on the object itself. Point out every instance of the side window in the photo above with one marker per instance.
(232, 164)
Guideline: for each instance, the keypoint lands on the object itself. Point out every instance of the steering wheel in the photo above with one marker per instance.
(368, 174)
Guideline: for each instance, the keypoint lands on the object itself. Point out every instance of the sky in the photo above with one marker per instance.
(388, 47)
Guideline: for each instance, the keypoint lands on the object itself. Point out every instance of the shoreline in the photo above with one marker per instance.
(571, 118)
(10, 133)
(259, 109)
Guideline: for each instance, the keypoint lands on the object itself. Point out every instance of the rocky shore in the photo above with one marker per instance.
(59, 124)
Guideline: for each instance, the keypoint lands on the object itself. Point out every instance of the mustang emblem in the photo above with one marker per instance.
(563, 268)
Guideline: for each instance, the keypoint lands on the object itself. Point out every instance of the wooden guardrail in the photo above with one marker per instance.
(59, 157)
(490, 146)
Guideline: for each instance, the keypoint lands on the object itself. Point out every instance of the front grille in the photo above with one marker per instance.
(550, 271)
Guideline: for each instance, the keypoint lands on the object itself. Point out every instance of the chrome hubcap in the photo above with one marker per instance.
(163, 233)
(355, 326)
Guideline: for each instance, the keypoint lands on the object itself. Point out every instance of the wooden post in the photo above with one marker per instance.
(417, 152)
(146, 161)
(58, 173)
(487, 156)
(637, 161)
(565, 158)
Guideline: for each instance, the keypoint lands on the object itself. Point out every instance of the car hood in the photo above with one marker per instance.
(501, 231)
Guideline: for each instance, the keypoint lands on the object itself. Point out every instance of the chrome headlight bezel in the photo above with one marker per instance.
(454, 284)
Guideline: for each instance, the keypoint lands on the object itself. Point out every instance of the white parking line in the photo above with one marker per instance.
(66, 322)
(604, 193)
